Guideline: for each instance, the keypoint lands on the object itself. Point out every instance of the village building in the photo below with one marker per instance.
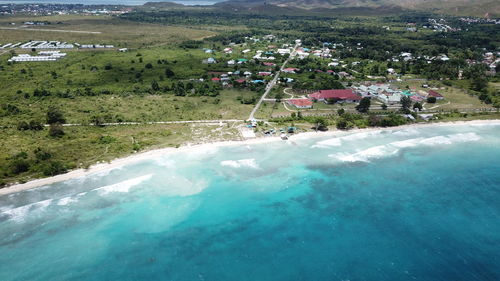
(343, 95)
(435, 94)
(300, 103)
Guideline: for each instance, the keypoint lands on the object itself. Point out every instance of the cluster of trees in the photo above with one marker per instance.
(318, 82)
(40, 160)
(194, 88)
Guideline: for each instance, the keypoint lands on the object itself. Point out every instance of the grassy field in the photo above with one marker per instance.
(135, 108)
(76, 84)
(112, 30)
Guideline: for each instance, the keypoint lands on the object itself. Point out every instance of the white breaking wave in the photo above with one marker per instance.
(327, 143)
(123, 186)
(65, 201)
(338, 141)
(250, 163)
(406, 132)
(365, 155)
(394, 147)
(19, 214)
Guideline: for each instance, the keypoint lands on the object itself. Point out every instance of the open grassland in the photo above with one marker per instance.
(112, 30)
(83, 146)
(135, 108)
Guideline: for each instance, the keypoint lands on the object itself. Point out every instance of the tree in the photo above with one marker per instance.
(406, 104)
(384, 106)
(155, 86)
(479, 83)
(321, 124)
(149, 65)
(343, 124)
(54, 115)
(364, 105)
(340, 111)
(418, 106)
(279, 96)
(431, 99)
(169, 73)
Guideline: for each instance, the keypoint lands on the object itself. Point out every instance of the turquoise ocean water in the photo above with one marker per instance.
(405, 204)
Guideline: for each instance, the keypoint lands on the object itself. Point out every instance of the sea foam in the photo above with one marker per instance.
(348, 138)
(19, 214)
(249, 163)
(123, 186)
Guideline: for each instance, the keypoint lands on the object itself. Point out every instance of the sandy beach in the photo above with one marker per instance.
(156, 152)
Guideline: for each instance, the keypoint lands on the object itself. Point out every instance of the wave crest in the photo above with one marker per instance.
(393, 148)
(249, 163)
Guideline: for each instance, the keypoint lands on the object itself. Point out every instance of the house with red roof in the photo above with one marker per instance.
(216, 79)
(300, 103)
(290, 70)
(265, 73)
(435, 94)
(340, 95)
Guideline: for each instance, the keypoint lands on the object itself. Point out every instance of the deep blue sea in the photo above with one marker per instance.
(110, 2)
(403, 204)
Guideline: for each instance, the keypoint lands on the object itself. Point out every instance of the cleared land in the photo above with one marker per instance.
(111, 31)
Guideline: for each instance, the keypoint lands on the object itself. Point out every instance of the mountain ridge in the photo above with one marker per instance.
(482, 8)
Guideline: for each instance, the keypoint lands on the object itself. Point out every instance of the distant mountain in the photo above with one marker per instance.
(483, 8)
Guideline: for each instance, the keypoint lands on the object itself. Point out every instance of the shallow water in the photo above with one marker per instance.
(406, 204)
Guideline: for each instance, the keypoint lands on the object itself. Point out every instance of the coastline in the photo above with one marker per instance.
(163, 151)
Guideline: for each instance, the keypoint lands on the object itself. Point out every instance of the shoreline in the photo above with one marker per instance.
(118, 162)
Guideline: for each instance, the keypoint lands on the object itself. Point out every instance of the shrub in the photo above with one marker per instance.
(53, 168)
(18, 166)
(54, 115)
(23, 126)
(42, 155)
(56, 130)
(35, 125)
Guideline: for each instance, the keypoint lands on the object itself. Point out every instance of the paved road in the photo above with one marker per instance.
(271, 84)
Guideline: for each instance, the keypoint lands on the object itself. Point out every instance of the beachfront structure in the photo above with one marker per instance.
(42, 56)
(340, 95)
(300, 103)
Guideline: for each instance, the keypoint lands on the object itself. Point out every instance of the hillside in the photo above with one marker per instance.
(483, 8)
